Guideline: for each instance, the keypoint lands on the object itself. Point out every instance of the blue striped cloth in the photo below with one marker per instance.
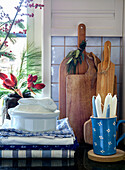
(37, 153)
(63, 130)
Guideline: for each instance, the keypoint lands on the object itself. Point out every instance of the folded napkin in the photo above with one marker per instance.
(14, 140)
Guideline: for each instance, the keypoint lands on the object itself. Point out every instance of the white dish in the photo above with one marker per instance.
(31, 115)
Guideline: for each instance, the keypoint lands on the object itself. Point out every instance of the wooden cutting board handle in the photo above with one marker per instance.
(105, 75)
(82, 68)
(81, 33)
(107, 53)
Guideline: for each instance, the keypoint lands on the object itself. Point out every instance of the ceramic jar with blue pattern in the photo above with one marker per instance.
(104, 135)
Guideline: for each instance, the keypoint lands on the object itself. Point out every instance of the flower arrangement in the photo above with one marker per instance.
(11, 83)
(27, 65)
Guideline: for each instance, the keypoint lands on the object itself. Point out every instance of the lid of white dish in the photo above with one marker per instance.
(33, 115)
(31, 107)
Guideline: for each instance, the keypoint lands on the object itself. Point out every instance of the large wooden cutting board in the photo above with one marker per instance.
(105, 75)
(79, 91)
(81, 68)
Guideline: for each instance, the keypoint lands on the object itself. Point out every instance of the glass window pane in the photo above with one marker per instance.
(8, 7)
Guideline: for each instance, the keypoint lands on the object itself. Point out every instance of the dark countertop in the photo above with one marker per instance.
(80, 162)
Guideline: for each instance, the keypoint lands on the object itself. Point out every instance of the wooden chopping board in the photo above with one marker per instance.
(87, 130)
(105, 80)
(62, 88)
(79, 91)
(105, 75)
(81, 68)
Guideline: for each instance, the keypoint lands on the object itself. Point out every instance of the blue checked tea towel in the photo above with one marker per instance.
(63, 130)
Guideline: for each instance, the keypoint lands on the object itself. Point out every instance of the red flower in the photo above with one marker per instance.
(3, 76)
(31, 80)
(8, 83)
(11, 83)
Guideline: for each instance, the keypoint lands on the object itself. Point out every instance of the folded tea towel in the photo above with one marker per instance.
(37, 153)
(35, 141)
(63, 130)
(62, 136)
(13, 146)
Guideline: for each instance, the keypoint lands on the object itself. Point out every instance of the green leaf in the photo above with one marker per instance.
(13, 40)
(83, 56)
(75, 57)
(24, 84)
(21, 25)
(4, 91)
(69, 60)
(83, 45)
(77, 53)
(74, 53)
(69, 67)
(69, 54)
(6, 54)
(75, 61)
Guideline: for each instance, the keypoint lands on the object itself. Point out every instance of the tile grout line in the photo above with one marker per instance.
(102, 46)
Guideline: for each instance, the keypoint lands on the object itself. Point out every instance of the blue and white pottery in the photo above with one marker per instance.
(104, 135)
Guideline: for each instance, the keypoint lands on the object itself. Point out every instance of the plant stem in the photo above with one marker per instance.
(5, 23)
(12, 24)
(21, 65)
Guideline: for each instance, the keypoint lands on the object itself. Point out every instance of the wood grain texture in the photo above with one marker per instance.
(87, 130)
(119, 156)
(62, 88)
(105, 80)
(81, 68)
(79, 91)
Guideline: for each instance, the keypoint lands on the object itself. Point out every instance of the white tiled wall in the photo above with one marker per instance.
(62, 45)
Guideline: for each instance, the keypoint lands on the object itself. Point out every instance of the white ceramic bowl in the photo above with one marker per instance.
(33, 117)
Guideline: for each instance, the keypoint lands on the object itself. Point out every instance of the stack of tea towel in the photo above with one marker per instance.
(60, 143)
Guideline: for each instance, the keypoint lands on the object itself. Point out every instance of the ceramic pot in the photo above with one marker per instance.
(34, 115)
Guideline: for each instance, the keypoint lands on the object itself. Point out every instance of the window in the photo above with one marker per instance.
(16, 45)
(23, 40)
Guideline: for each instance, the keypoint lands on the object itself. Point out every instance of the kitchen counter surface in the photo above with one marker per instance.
(80, 162)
